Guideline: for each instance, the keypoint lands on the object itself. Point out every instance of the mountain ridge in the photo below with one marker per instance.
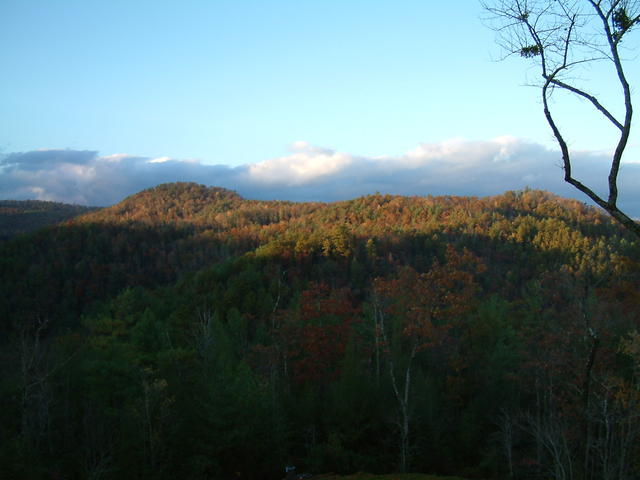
(232, 335)
(23, 216)
(160, 234)
(197, 203)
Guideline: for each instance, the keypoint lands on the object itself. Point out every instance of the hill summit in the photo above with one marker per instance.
(188, 332)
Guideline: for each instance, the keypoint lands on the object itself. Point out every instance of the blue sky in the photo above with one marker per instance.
(260, 85)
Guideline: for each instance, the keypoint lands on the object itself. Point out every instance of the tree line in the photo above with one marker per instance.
(189, 333)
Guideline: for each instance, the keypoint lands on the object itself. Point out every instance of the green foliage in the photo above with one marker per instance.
(530, 51)
(188, 333)
(622, 22)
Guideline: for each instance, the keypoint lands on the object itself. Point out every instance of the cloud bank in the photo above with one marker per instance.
(308, 172)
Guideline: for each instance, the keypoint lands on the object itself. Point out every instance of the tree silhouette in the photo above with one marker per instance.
(563, 37)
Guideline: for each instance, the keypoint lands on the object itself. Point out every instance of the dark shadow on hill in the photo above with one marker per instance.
(59, 271)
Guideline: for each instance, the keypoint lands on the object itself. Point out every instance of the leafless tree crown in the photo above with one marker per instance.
(562, 36)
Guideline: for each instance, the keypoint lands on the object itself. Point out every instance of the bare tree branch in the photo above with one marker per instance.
(561, 35)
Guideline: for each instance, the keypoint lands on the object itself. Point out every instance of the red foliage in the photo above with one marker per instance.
(317, 334)
(428, 302)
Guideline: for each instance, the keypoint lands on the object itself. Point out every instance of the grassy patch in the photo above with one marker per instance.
(391, 476)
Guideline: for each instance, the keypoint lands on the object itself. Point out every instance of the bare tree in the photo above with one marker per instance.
(563, 37)
(35, 370)
(400, 390)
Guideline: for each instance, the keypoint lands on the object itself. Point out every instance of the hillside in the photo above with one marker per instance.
(187, 332)
(17, 217)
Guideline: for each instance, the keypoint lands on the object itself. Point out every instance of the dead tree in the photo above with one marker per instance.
(563, 37)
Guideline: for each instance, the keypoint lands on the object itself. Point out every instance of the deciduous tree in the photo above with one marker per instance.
(413, 313)
(563, 37)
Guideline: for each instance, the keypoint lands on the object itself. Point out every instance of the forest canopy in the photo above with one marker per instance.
(187, 332)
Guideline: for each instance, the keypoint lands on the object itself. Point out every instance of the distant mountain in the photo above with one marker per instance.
(22, 216)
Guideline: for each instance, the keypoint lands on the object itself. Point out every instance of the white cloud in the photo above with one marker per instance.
(308, 172)
(306, 164)
(39, 193)
(159, 160)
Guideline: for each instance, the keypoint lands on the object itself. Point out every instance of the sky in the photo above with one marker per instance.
(298, 100)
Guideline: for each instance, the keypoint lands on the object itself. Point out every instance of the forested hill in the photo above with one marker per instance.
(24, 216)
(187, 332)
